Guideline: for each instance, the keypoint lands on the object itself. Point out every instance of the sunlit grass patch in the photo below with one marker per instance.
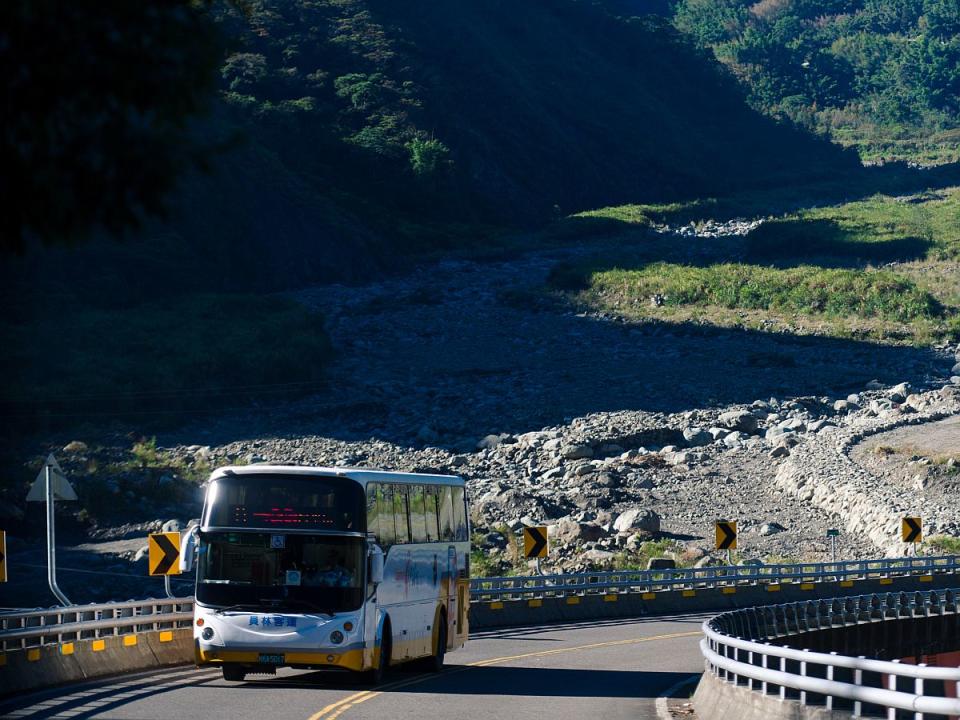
(805, 289)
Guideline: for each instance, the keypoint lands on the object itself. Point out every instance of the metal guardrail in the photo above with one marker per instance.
(32, 628)
(737, 649)
(644, 581)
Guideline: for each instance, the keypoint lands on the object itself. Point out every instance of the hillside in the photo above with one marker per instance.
(366, 128)
(353, 136)
(880, 75)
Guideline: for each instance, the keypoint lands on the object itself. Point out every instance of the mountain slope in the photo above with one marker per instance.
(365, 131)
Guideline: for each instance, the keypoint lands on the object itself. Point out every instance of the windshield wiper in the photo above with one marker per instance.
(238, 606)
(292, 602)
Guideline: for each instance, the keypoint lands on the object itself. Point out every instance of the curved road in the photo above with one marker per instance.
(613, 669)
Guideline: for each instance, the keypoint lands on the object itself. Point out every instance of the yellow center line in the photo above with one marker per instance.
(334, 710)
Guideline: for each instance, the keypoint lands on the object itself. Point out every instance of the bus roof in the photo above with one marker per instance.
(360, 475)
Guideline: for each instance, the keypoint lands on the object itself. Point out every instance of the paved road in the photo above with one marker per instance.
(612, 670)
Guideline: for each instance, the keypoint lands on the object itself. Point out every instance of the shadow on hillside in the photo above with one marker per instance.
(844, 186)
(513, 372)
(787, 242)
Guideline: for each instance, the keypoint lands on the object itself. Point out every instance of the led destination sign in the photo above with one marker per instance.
(295, 502)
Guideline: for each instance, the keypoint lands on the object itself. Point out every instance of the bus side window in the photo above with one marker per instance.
(400, 513)
(459, 514)
(430, 508)
(387, 535)
(446, 513)
(418, 523)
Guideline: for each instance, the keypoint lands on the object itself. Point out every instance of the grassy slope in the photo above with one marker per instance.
(883, 267)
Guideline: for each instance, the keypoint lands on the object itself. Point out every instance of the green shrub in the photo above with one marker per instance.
(428, 156)
(942, 544)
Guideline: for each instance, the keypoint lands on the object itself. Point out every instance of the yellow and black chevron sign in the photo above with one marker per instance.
(535, 542)
(726, 532)
(911, 529)
(3, 556)
(164, 556)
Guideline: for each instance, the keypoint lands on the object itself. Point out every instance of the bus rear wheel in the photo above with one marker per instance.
(233, 672)
(434, 663)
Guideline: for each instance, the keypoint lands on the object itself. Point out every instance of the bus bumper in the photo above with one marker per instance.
(332, 660)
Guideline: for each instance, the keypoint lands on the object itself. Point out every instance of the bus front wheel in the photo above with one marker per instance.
(233, 672)
(375, 676)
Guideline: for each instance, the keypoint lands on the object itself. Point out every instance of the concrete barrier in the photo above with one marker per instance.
(717, 699)
(29, 669)
(533, 611)
(49, 665)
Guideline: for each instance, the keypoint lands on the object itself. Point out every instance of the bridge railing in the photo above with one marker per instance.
(31, 628)
(52, 626)
(642, 581)
(738, 650)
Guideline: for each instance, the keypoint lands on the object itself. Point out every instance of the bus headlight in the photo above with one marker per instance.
(336, 637)
(207, 633)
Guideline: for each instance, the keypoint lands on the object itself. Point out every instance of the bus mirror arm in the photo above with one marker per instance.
(188, 549)
(376, 565)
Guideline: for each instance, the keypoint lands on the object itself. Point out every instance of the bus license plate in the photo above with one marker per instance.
(270, 659)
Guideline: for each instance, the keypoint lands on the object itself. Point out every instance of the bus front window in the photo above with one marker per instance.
(320, 573)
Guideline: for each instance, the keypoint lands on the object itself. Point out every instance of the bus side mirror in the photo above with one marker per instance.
(376, 565)
(188, 549)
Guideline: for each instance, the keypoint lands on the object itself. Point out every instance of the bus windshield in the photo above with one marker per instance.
(288, 502)
(294, 572)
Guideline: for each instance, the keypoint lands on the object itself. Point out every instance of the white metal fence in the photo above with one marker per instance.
(737, 649)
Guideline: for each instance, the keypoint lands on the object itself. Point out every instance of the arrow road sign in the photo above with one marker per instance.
(164, 553)
(912, 529)
(726, 532)
(535, 542)
(62, 489)
(3, 556)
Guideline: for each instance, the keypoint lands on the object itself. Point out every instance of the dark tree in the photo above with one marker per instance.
(97, 97)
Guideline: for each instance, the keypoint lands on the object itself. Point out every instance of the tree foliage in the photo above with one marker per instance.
(893, 65)
(97, 101)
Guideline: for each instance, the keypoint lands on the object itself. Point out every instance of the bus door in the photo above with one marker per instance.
(449, 589)
(458, 602)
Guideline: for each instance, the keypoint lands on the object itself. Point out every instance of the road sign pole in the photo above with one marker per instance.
(833, 547)
(51, 541)
(166, 586)
(729, 557)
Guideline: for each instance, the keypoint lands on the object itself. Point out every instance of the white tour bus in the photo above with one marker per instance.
(329, 568)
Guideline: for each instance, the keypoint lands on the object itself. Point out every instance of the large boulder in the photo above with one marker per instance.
(742, 420)
(899, 393)
(661, 563)
(576, 452)
(635, 519)
(569, 531)
(697, 437)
